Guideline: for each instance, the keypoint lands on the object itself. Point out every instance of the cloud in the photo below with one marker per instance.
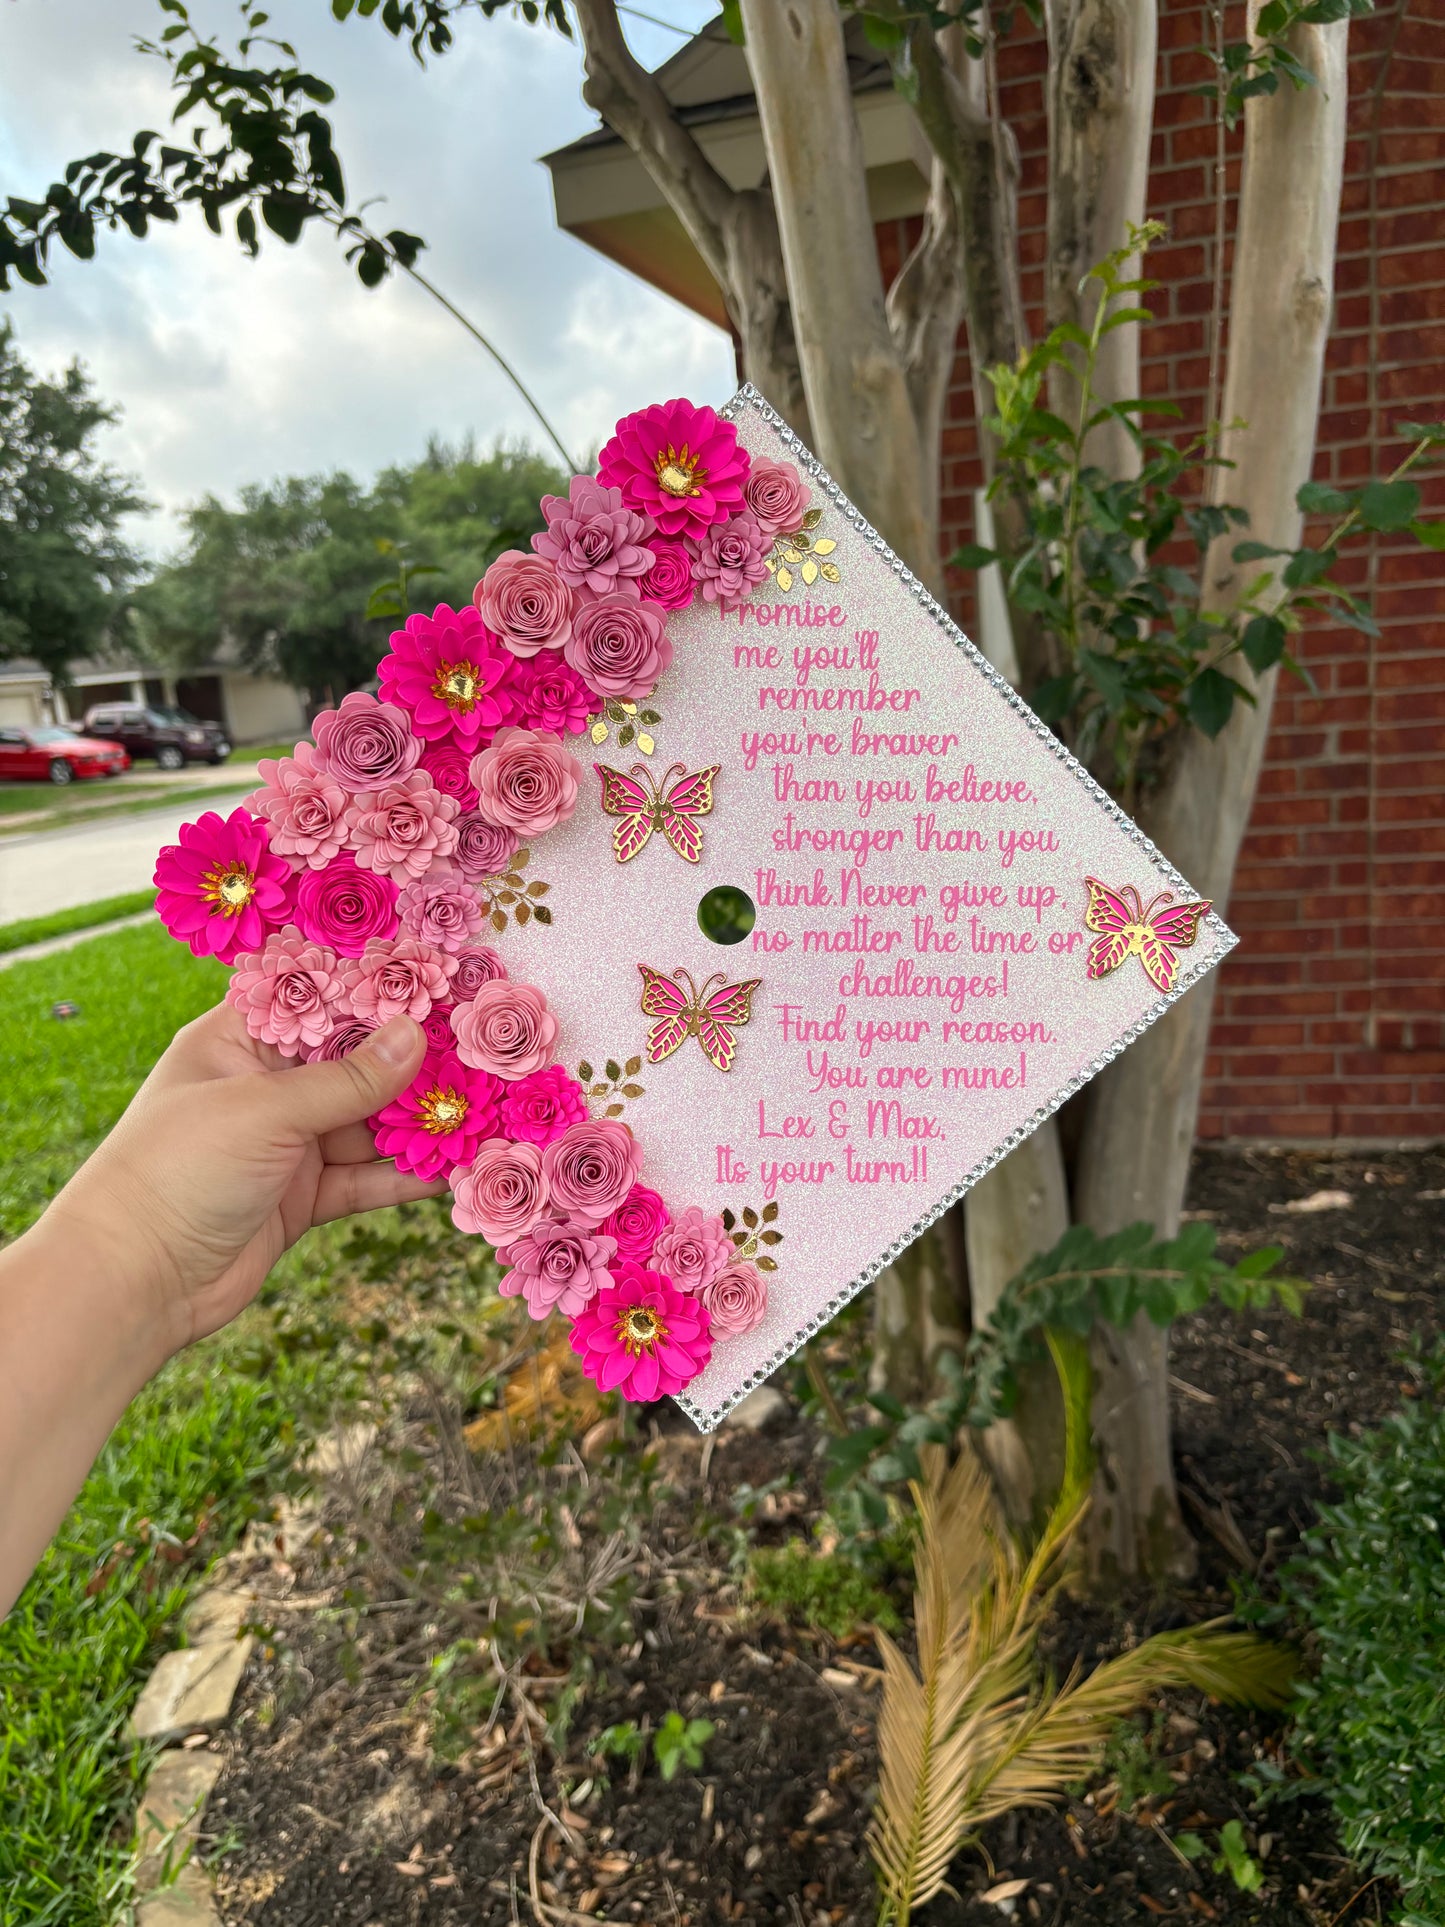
(229, 370)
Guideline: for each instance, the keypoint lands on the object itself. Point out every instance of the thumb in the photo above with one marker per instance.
(316, 1098)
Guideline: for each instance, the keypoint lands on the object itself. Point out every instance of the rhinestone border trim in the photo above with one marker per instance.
(749, 397)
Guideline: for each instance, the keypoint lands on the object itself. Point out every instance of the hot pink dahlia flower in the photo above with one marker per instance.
(304, 805)
(540, 1106)
(677, 463)
(289, 992)
(593, 541)
(222, 888)
(443, 670)
(439, 1119)
(556, 1266)
(642, 1336)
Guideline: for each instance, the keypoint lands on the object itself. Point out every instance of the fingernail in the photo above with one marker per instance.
(395, 1041)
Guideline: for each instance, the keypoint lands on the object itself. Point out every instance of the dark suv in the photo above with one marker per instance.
(171, 736)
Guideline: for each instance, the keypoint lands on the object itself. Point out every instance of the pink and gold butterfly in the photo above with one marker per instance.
(648, 805)
(1127, 928)
(709, 1015)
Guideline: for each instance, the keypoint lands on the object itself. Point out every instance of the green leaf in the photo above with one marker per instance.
(886, 35)
(732, 19)
(1388, 505)
(1318, 498)
(1209, 701)
(1421, 431)
(1263, 642)
(972, 555)
(1306, 566)
(1255, 551)
(1430, 534)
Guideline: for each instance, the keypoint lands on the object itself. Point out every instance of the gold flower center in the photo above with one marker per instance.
(442, 1110)
(457, 685)
(230, 887)
(639, 1327)
(679, 471)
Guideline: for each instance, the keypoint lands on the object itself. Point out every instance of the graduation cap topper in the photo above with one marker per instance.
(697, 1151)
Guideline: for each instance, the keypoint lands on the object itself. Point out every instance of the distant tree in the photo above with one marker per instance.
(62, 558)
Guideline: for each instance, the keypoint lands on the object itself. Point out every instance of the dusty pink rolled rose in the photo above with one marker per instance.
(442, 911)
(401, 828)
(669, 582)
(525, 603)
(478, 964)
(693, 1249)
(593, 541)
(304, 806)
(731, 559)
(483, 849)
(557, 1266)
(735, 1300)
(619, 647)
(400, 979)
(591, 1168)
(506, 1029)
(365, 743)
(289, 992)
(340, 1041)
(448, 768)
(777, 495)
(526, 781)
(501, 1193)
(636, 1223)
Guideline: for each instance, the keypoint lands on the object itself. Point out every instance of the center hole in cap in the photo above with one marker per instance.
(726, 914)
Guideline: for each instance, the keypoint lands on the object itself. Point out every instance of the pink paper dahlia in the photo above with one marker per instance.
(551, 695)
(439, 1119)
(401, 829)
(304, 805)
(289, 992)
(400, 979)
(340, 1041)
(731, 559)
(443, 911)
(540, 1106)
(593, 541)
(677, 463)
(222, 888)
(556, 1266)
(443, 670)
(642, 1336)
(693, 1249)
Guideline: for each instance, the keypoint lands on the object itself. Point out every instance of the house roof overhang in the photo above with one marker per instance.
(605, 196)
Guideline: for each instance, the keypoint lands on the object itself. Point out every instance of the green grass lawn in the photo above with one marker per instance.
(249, 754)
(83, 916)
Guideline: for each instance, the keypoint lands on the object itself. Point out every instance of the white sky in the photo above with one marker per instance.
(230, 370)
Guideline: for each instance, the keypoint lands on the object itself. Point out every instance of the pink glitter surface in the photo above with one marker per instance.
(860, 1137)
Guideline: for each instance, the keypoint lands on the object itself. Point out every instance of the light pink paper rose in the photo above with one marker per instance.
(304, 806)
(506, 1029)
(777, 495)
(483, 849)
(557, 1266)
(591, 1168)
(365, 743)
(399, 979)
(730, 560)
(289, 992)
(735, 1300)
(594, 542)
(478, 964)
(501, 1193)
(402, 828)
(619, 647)
(442, 911)
(526, 781)
(693, 1249)
(525, 602)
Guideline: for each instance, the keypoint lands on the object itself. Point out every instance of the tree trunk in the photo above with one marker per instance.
(1142, 1109)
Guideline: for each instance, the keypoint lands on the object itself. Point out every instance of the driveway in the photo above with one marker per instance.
(57, 869)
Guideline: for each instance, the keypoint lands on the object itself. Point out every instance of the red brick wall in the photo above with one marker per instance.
(1330, 1019)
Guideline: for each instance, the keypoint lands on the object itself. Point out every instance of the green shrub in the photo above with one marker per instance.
(819, 1589)
(1371, 1587)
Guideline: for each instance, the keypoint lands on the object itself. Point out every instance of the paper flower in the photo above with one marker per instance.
(731, 559)
(365, 743)
(551, 695)
(440, 1118)
(777, 495)
(593, 541)
(526, 781)
(642, 1336)
(618, 647)
(400, 829)
(400, 979)
(735, 1299)
(556, 1266)
(449, 767)
(340, 1041)
(636, 1222)
(506, 1029)
(525, 601)
(541, 1106)
(478, 964)
(669, 582)
(483, 849)
(442, 911)
(344, 907)
(222, 888)
(437, 1028)
(591, 1168)
(502, 1193)
(304, 806)
(289, 992)
(443, 670)
(693, 1249)
(677, 463)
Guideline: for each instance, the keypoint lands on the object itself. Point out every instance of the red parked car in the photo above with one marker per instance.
(49, 754)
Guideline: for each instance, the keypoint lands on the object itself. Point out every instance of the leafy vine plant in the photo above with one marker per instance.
(1139, 651)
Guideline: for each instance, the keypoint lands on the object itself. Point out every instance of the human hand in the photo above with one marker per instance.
(226, 1154)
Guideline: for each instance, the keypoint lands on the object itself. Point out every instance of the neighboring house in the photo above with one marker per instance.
(1330, 1020)
(252, 708)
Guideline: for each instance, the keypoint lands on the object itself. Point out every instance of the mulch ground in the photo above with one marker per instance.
(335, 1811)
